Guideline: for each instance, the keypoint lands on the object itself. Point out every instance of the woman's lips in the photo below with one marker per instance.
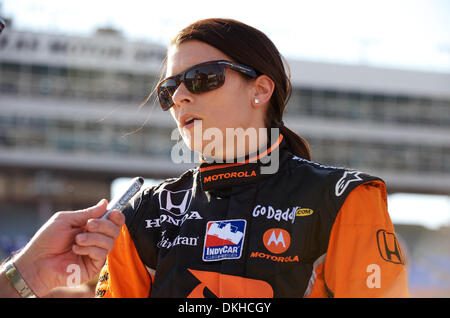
(188, 121)
(192, 123)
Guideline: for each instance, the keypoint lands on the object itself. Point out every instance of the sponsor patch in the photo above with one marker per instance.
(389, 248)
(214, 284)
(228, 175)
(224, 240)
(178, 240)
(275, 258)
(277, 241)
(304, 212)
(219, 176)
(347, 178)
(165, 218)
(277, 214)
(176, 203)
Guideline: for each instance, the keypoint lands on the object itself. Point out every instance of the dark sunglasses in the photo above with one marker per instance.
(199, 78)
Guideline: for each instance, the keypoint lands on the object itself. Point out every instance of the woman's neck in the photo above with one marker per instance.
(238, 144)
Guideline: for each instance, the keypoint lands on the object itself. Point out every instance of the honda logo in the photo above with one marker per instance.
(389, 248)
(176, 203)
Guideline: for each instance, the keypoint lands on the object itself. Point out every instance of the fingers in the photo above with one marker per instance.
(95, 240)
(80, 217)
(98, 239)
(110, 226)
(95, 253)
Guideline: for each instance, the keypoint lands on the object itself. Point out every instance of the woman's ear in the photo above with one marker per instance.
(263, 90)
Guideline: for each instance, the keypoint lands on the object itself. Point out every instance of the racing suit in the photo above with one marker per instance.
(228, 230)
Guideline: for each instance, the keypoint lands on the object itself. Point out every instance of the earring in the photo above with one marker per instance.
(256, 101)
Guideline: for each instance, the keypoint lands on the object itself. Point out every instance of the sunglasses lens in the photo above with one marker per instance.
(165, 92)
(199, 79)
(204, 78)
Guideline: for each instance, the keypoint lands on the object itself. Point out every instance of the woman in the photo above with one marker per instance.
(230, 229)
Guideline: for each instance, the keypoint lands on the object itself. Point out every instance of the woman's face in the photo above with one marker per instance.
(229, 106)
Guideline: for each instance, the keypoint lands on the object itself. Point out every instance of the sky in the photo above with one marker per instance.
(411, 34)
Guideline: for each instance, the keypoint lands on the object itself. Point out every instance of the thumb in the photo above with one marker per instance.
(80, 217)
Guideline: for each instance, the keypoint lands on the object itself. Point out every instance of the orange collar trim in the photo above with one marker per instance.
(252, 159)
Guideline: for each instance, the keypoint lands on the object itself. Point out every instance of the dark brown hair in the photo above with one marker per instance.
(251, 47)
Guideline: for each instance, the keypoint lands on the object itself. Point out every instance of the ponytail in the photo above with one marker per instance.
(297, 145)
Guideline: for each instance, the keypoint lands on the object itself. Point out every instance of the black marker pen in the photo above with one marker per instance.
(119, 203)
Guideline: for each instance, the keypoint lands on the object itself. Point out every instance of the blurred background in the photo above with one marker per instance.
(371, 92)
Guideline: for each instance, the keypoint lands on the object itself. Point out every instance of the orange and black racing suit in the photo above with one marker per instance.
(228, 230)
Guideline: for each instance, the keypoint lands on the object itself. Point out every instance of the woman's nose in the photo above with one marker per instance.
(182, 96)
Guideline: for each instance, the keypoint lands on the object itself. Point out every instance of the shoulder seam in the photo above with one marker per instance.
(317, 164)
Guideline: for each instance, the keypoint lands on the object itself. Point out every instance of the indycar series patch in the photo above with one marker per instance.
(224, 240)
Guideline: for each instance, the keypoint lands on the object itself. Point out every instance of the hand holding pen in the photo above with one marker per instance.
(69, 239)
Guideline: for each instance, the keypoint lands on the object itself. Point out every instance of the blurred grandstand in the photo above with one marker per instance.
(70, 124)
